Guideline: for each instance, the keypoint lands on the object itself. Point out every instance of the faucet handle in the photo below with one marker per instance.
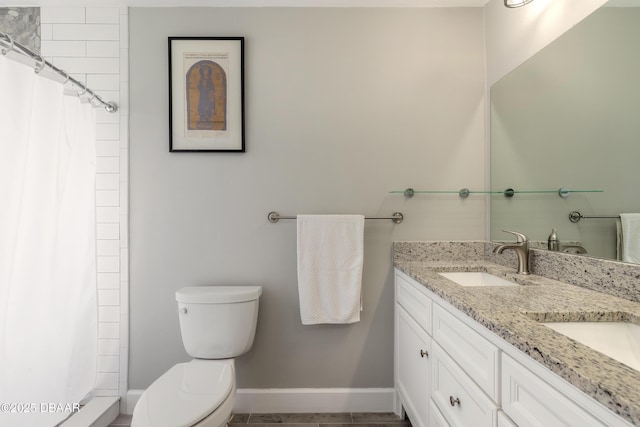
(519, 236)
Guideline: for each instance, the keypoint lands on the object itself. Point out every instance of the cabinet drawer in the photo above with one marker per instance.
(459, 399)
(417, 304)
(436, 419)
(504, 421)
(477, 356)
(530, 401)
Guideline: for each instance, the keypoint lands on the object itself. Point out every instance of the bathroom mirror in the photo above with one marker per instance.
(569, 118)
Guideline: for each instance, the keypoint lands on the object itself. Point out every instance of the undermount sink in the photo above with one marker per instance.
(618, 340)
(476, 278)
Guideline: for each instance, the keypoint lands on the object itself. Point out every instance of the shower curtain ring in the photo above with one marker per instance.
(40, 63)
(11, 48)
(84, 90)
(66, 78)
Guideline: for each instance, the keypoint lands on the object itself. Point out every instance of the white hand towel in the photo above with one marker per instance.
(630, 237)
(330, 255)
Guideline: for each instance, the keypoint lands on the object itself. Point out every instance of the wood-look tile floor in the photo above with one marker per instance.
(354, 419)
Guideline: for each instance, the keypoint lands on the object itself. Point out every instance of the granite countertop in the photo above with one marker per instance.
(513, 314)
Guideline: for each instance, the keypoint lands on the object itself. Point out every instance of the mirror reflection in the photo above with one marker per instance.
(570, 118)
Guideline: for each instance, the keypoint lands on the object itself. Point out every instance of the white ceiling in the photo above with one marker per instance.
(250, 3)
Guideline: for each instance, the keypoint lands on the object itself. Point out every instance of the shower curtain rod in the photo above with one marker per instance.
(10, 45)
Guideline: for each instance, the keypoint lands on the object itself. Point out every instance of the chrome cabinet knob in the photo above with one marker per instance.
(424, 353)
(454, 401)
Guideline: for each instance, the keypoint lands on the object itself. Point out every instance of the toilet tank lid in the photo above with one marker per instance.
(218, 294)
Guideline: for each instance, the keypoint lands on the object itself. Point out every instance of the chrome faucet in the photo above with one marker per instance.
(521, 247)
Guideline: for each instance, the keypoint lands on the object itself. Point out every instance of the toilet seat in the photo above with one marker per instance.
(186, 394)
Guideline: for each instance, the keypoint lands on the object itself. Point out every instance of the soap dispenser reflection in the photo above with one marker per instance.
(553, 244)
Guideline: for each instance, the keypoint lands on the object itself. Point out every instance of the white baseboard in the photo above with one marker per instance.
(279, 400)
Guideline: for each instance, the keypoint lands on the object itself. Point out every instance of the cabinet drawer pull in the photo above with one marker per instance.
(454, 401)
(424, 353)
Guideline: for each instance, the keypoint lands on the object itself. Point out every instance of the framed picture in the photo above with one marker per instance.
(206, 94)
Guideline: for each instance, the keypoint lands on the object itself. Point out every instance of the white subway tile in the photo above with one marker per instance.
(108, 364)
(103, 49)
(124, 366)
(110, 96)
(124, 31)
(107, 181)
(108, 248)
(108, 281)
(88, 65)
(107, 165)
(110, 82)
(103, 116)
(86, 32)
(108, 148)
(108, 132)
(46, 32)
(107, 198)
(108, 231)
(108, 314)
(103, 15)
(124, 267)
(124, 228)
(124, 164)
(108, 347)
(62, 15)
(124, 332)
(103, 393)
(124, 299)
(124, 133)
(107, 381)
(107, 215)
(124, 65)
(63, 48)
(109, 297)
(109, 330)
(108, 264)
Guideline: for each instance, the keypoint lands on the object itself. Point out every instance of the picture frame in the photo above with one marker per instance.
(206, 94)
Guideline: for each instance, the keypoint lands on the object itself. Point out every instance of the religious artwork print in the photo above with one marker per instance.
(206, 94)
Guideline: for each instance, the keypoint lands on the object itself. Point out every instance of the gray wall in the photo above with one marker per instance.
(342, 106)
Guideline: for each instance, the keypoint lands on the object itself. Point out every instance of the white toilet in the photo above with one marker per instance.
(217, 323)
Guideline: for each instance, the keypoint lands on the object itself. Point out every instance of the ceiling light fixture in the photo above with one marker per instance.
(516, 3)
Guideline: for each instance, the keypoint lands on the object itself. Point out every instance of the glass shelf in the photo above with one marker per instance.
(509, 192)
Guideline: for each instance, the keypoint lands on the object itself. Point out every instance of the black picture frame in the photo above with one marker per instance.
(206, 94)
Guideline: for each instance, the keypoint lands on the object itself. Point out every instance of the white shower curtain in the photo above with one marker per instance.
(48, 301)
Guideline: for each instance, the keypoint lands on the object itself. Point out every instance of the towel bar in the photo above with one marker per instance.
(397, 217)
(575, 216)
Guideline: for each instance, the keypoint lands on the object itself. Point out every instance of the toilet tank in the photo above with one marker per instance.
(218, 322)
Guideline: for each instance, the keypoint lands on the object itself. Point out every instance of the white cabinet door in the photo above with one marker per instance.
(531, 402)
(459, 399)
(413, 367)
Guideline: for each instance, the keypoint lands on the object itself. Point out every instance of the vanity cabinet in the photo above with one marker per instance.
(451, 371)
(413, 351)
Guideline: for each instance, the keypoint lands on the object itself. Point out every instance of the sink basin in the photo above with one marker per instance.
(476, 278)
(618, 340)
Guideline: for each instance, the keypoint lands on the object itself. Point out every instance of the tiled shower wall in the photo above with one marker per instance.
(92, 45)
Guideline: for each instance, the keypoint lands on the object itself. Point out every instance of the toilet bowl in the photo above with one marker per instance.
(217, 323)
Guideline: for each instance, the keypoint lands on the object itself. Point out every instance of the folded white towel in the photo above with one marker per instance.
(330, 255)
(630, 237)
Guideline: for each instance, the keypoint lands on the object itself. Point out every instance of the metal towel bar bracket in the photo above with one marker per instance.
(397, 217)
